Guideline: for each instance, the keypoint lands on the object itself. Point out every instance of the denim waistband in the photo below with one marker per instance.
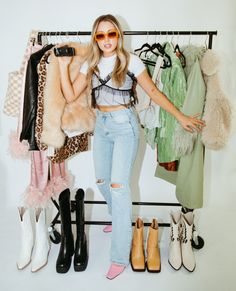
(115, 113)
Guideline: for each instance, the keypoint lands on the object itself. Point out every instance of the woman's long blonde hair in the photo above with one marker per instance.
(94, 55)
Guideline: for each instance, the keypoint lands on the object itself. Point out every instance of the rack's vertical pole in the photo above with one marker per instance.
(210, 41)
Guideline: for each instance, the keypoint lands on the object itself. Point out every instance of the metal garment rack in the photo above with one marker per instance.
(138, 32)
(41, 34)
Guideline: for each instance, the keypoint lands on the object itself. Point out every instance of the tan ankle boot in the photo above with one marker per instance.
(153, 253)
(137, 252)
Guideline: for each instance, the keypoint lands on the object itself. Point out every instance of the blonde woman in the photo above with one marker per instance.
(112, 73)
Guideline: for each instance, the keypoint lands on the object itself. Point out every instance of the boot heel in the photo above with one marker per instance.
(153, 270)
(81, 249)
(153, 262)
(67, 241)
(186, 247)
(175, 256)
(137, 257)
(135, 269)
(82, 267)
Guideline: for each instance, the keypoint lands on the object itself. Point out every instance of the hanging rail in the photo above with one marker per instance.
(139, 32)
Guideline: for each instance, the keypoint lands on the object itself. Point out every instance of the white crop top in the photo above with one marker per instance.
(104, 92)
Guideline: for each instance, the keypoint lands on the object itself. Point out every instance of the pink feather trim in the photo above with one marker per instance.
(36, 198)
(57, 184)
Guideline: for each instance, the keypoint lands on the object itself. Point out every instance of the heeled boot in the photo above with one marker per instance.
(197, 241)
(67, 242)
(153, 262)
(175, 256)
(137, 251)
(186, 243)
(42, 245)
(81, 250)
(27, 239)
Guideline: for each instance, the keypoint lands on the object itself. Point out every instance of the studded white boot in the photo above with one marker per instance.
(42, 245)
(27, 240)
(188, 257)
(175, 256)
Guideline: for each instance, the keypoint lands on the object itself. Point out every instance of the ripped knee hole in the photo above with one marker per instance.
(100, 181)
(113, 185)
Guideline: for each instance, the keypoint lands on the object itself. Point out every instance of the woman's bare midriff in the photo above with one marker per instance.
(110, 108)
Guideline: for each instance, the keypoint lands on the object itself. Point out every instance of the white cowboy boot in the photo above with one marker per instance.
(27, 240)
(42, 245)
(175, 257)
(186, 242)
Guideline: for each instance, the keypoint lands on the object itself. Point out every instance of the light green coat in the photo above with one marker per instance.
(174, 87)
(189, 182)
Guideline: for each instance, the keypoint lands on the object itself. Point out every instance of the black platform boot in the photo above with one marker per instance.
(67, 242)
(81, 250)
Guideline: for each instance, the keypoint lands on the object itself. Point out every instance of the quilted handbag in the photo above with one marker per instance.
(15, 85)
(12, 100)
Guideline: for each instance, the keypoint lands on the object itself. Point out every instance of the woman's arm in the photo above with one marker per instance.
(70, 90)
(189, 123)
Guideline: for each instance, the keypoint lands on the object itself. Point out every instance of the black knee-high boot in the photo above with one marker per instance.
(67, 242)
(81, 250)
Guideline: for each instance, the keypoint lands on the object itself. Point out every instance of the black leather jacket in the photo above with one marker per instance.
(31, 99)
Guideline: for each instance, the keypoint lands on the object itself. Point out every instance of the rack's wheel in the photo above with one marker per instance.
(54, 235)
(197, 241)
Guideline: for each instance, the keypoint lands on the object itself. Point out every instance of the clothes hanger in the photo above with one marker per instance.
(158, 50)
(180, 55)
(145, 45)
(142, 47)
(177, 50)
(151, 48)
(161, 51)
(159, 47)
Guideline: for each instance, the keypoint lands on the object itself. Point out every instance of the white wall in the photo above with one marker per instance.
(19, 17)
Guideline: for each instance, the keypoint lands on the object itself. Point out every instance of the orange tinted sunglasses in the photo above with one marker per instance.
(110, 34)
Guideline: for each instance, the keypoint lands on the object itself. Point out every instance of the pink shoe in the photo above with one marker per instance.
(107, 228)
(114, 271)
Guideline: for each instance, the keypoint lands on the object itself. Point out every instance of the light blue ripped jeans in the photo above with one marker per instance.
(115, 146)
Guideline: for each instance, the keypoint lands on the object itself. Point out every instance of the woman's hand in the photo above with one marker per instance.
(191, 123)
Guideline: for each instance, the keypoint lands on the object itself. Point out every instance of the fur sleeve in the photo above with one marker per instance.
(217, 112)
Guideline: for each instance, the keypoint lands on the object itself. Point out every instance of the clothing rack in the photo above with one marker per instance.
(143, 32)
(138, 32)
